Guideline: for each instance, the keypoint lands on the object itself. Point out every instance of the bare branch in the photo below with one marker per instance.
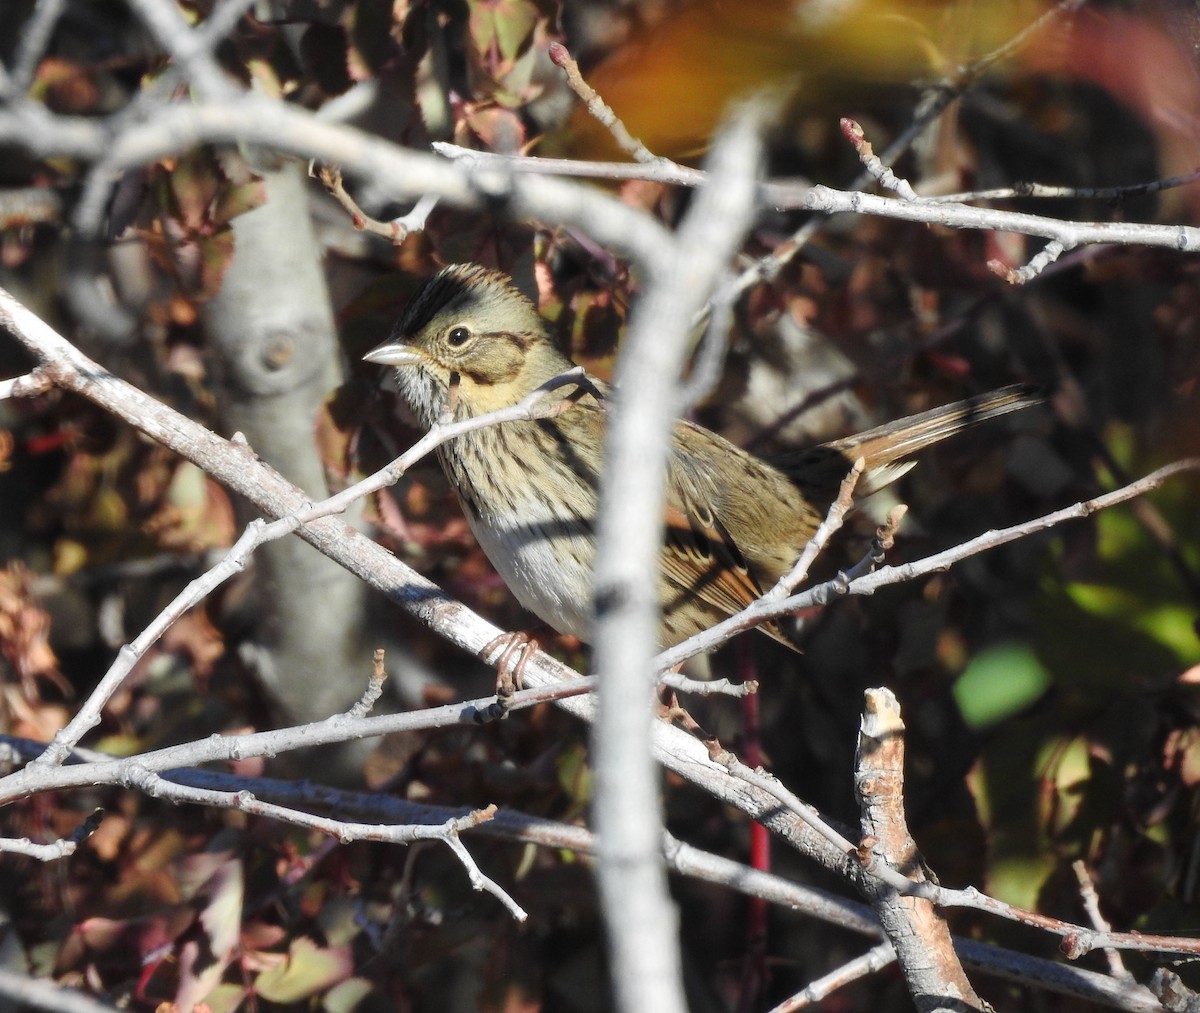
(29, 206)
(874, 165)
(137, 776)
(762, 611)
(395, 231)
(1047, 190)
(827, 200)
(189, 48)
(682, 858)
(29, 385)
(600, 110)
(658, 171)
(640, 919)
(56, 850)
(932, 971)
(875, 959)
(35, 38)
(1091, 905)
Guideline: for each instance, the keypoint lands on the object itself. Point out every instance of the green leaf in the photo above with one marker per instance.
(1018, 879)
(307, 971)
(515, 21)
(346, 996)
(505, 23)
(1000, 682)
(574, 775)
(225, 999)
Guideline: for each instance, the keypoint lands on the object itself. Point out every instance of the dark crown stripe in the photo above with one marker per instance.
(458, 284)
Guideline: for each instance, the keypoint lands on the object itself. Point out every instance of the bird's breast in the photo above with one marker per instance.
(531, 504)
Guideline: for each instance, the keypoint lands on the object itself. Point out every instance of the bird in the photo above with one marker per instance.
(469, 342)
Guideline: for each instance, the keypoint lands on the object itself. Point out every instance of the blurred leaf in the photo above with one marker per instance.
(194, 872)
(323, 49)
(225, 998)
(309, 969)
(195, 197)
(198, 975)
(998, 683)
(65, 86)
(25, 631)
(499, 129)
(371, 38)
(1182, 752)
(265, 79)
(507, 39)
(237, 199)
(671, 81)
(124, 936)
(340, 919)
(70, 556)
(194, 513)
(216, 254)
(1019, 879)
(1068, 772)
(1170, 625)
(120, 745)
(504, 25)
(574, 775)
(260, 936)
(346, 995)
(338, 422)
(517, 85)
(192, 183)
(222, 915)
(1130, 618)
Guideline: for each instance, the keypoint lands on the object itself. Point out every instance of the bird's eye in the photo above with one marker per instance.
(458, 337)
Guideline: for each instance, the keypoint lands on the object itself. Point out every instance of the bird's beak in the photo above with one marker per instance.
(395, 353)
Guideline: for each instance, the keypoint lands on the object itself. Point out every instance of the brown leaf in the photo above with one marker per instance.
(25, 632)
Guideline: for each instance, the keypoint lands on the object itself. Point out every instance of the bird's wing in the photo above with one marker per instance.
(701, 562)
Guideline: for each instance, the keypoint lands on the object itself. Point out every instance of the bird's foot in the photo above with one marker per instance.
(516, 648)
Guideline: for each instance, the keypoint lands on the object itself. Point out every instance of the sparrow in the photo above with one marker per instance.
(469, 343)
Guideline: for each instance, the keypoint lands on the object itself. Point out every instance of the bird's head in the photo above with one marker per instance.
(468, 338)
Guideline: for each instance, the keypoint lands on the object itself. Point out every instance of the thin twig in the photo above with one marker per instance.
(1053, 249)
(374, 687)
(830, 526)
(876, 169)
(34, 41)
(658, 171)
(33, 779)
(30, 205)
(395, 231)
(259, 531)
(1091, 906)
(1046, 190)
(762, 611)
(344, 831)
(32, 383)
(57, 850)
(600, 110)
(871, 962)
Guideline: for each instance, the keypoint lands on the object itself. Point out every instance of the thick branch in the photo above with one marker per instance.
(920, 935)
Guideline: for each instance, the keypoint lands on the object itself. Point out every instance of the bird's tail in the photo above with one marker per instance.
(887, 449)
